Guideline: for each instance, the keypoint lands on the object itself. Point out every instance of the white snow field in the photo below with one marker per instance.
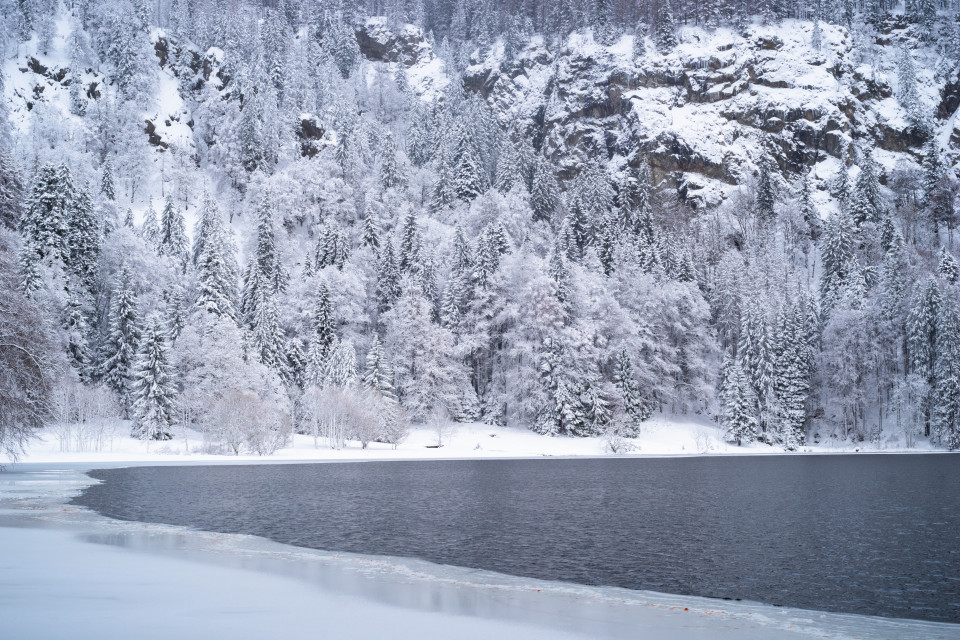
(660, 436)
(66, 572)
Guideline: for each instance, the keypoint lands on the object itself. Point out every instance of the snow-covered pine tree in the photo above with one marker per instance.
(152, 386)
(491, 246)
(78, 101)
(296, 364)
(252, 154)
(837, 248)
(766, 196)
(755, 354)
(85, 236)
(332, 246)
(28, 266)
(266, 334)
(371, 232)
(392, 175)
(175, 311)
(388, 278)
(341, 365)
(666, 32)
(607, 242)
(217, 271)
(107, 187)
(411, 244)
(205, 224)
(816, 37)
(922, 337)
(172, 240)
(549, 414)
(908, 94)
(46, 218)
(454, 301)
(596, 409)
(924, 14)
(945, 414)
(78, 331)
(640, 40)
(840, 186)
(634, 404)
(593, 190)
(580, 231)
(420, 149)
(462, 254)
(947, 266)
(378, 375)
(790, 379)
(426, 276)
(444, 192)
(725, 378)
(560, 274)
(867, 202)
(11, 182)
(469, 176)
(933, 170)
(265, 275)
(150, 230)
(738, 415)
(643, 214)
(322, 338)
(509, 167)
(123, 336)
(604, 31)
(892, 284)
(544, 191)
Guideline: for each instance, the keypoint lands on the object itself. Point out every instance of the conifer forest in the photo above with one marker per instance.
(260, 218)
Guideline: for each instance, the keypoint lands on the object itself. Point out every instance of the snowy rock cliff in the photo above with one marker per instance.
(704, 114)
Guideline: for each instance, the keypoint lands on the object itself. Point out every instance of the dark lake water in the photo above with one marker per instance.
(871, 534)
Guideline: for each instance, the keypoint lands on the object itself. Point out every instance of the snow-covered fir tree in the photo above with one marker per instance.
(152, 385)
(738, 414)
(123, 338)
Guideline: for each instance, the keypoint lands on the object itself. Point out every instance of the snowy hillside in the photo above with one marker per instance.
(257, 223)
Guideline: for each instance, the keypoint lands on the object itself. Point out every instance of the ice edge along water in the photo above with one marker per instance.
(213, 582)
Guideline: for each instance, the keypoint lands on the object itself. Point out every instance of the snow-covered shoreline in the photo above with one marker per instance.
(96, 573)
(660, 438)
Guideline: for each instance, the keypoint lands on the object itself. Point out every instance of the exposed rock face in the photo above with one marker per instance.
(311, 136)
(949, 96)
(705, 113)
(152, 136)
(380, 44)
(200, 67)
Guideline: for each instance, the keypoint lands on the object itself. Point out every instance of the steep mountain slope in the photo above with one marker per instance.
(753, 223)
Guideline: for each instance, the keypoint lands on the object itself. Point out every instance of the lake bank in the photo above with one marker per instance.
(660, 437)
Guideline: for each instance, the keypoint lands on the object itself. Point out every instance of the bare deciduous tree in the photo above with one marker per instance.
(84, 417)
(242, 418)
(30, 361)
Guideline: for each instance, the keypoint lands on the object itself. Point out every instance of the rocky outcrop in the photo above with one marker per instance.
(949, 96)
(378, 43)
(704, 114)
(152, 136)
(310, 134)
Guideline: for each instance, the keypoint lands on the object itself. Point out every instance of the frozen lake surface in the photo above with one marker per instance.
(869, 534)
